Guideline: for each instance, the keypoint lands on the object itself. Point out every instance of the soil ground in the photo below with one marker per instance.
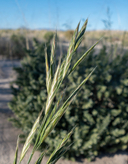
(8, 134)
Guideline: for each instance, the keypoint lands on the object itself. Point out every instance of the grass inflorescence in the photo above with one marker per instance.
(56, 72)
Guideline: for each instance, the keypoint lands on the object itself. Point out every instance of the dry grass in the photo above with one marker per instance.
(117, 36)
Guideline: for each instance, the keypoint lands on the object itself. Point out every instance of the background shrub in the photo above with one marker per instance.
(99, 110)
(30, 91)
(4, 47)
(18, 46)
(48, 36)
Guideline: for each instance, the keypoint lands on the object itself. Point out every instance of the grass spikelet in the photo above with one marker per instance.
(30, 137)
(83, 57)
(53, 57)
(76, 40)
(48, 77)
(52, 92)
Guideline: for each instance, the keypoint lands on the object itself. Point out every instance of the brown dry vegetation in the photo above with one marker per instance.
(117, 36)
(9, 49)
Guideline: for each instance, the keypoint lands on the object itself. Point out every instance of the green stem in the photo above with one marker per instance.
(30, 157)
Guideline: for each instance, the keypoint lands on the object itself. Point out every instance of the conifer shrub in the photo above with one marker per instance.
(99, 110)
(29, 90)
(101, 106)
(4, 47)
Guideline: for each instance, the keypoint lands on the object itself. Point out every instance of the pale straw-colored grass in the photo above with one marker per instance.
(55, 75)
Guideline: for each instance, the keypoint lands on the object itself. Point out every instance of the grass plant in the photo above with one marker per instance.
(56, 72)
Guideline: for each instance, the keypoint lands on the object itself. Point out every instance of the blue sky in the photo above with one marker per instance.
(63, 14)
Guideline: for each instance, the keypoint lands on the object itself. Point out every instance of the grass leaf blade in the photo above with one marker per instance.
(16, 152)
(82, 57)
(60, 150)
(40, 158)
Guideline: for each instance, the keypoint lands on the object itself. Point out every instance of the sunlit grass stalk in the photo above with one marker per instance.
(55, 75)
